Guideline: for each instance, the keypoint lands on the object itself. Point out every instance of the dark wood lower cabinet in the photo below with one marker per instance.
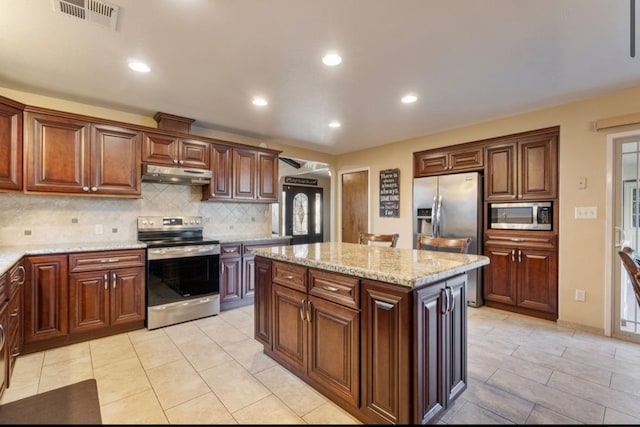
(387, 354)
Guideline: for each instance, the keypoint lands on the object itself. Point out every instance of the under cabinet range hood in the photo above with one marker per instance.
(175, 175)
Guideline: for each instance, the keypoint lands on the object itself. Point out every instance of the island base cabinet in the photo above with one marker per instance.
(441, 347)
(318, 340)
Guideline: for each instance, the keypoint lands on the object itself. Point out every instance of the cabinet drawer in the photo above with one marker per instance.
(14, 314)
(91, 261)
(334, 287)
(229, 250)
(540, 241)
(290, 275)
(248, 247)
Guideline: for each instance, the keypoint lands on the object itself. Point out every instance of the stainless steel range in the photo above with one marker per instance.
(183, 279)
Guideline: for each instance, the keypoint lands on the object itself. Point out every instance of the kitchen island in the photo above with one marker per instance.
(380, 331)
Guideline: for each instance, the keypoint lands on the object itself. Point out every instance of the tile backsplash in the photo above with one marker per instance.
(27, 219)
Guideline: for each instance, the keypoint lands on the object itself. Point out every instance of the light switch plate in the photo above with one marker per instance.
(586, 212)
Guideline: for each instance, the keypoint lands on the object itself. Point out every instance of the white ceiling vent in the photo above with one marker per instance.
(96, 11)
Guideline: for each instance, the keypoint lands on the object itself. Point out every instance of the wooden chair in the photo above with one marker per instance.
(631, 262)
(443, 244)
(365, 238)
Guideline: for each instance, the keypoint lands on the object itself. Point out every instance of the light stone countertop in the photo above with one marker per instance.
(239, 238)
(405, 267)
(10, 254)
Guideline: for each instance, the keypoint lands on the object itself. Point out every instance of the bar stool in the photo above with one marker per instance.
(365, 238)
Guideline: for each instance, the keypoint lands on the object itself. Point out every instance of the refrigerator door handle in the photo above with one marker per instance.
(434, 217)
(437, 233)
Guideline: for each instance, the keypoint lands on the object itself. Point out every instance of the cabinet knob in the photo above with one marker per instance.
(175, 161)
(94, 188)
(181, 162)
(85, 189)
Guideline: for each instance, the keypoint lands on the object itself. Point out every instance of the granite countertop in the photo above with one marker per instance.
(10, 254)
(406, 267)
(239, 238)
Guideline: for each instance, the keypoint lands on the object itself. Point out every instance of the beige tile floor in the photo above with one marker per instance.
(522, 370)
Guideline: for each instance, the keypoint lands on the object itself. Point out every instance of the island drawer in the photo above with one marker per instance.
(230, 249)
(289, 275)
(341, 289)
(106, 260)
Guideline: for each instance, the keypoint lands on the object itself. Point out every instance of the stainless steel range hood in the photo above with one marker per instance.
(176, 175)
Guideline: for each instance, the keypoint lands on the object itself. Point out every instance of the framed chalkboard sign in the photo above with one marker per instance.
(390, 193)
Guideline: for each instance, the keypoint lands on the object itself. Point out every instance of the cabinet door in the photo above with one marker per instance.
(334, 348)
(230, 280)
(386, 354)
(538, 175)
(160, 149)
(501, 169)
(267, 176)
(57, 154)
(248, 276)
(221, 165)
(88, 301)
(456, 338)
(4, 357)
(290, 329)
(194, 154)
(500, 274)
(431, 163)
(115, 160)
(46, 298)
(430, 328)
(244, 174)
(10, 147)
(127, 295)
(262, 304)
(537, 279)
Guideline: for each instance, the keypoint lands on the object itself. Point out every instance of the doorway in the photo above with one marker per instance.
(354, 188)
(626, 232)
(303, 207)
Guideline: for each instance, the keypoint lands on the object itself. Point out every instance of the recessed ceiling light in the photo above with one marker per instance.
(408, 99)
(334, 124)
(259, 101)
(331, 59)
(138, 66)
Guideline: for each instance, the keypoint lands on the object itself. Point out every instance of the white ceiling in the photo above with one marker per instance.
(468, 60)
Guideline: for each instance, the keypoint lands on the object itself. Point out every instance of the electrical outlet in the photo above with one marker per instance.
(98, 229)
(580, 295)
(582, 182)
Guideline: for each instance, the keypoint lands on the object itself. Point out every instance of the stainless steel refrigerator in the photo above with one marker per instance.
(451, 206)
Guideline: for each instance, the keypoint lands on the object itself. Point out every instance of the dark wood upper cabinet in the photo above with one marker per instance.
(164, 149)
(222, 180)
(74, 156)
(522, 169)
(11, 123)
(449, 160)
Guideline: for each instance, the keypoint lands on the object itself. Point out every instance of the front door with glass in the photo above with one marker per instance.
(303, 213)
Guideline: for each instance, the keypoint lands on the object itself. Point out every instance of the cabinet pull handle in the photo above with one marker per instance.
(113, 277)
(519, 255)
(513, 253)
(288, 277)
(85, 188)
(106, 280)
(308, 311)
(24, 274)
(445, 308)
(453, 301)
(331, 288)
(14, 313)
(94, 188)
(229, 250)
(105, 260)
(302, 310)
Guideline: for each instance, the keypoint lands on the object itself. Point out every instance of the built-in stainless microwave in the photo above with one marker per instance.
(521, 216)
